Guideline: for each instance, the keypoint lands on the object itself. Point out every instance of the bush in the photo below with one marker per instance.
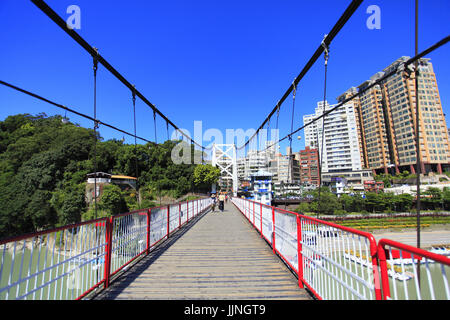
(111, 202)
(303, 207)
(340, 212)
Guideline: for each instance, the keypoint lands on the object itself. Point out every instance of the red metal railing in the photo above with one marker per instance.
(331, 261)
(337, 262)
(71, 261)
(335, 247)
(428, 272)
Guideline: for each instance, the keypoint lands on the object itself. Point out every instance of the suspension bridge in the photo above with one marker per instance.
(217, 257)
(188, 251)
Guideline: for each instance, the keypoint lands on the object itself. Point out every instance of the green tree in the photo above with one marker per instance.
(69, 204)
(386, 178)
(403, 202)
(327, 204)
(112, 201)
(43, 167)
(346, 202)
(432, 198)
(374, 202)
(388, 201)
(446, 198)
(303, 207)
(38, 212)
(205, 176)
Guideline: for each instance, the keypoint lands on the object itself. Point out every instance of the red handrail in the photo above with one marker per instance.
(414, 251)
(299, 272)
(108, 224)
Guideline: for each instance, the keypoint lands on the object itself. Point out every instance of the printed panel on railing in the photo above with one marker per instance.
(190, 210)
(59, 264)
(240, 203)
(129, 238)
(236, 202)
(174, 217)
(286, 236)
(258, 216)
(267, 225)
(184, 212)
(247, 209)
(251, 211)
(158, 224)
(203, 203)
(413, 274)
(337, 261)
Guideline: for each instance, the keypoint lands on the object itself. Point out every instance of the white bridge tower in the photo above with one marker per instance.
(224, 158)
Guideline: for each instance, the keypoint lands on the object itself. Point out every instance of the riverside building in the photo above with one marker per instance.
(386, 122)
(340, 154)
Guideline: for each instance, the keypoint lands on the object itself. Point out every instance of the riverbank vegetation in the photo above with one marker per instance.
(43, 166)
(372, 202)
(394, 222)
(379, 211)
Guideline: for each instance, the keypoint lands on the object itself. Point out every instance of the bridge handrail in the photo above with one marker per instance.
(313, 252)
(397, 261)
(69, 262)
(353, 265)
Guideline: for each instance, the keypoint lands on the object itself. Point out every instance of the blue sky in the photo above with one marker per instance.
(226, 63)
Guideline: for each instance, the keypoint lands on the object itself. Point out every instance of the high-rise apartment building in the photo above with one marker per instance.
(285, 168)
(340, 149)
(251, 164)
(256, 161)
(341, 156)
(386, 122)
(309, 166)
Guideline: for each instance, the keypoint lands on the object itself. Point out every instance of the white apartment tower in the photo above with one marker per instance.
(341, 146)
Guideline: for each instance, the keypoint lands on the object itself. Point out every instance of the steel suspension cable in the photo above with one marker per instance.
(133, 97)
(400, 67)
(294, 92)
(83, 43)
(154, 122)
(278, 115)
(267, 133)
(95, 67)
(167, 128)
(326, 56)
(331, 35)
(99, 122)
(290, 160)
(418, 164)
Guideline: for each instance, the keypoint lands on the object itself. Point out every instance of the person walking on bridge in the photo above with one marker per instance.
(213, 206)
(221, 201)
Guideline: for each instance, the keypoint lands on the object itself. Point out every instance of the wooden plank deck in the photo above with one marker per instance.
(216, 256)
